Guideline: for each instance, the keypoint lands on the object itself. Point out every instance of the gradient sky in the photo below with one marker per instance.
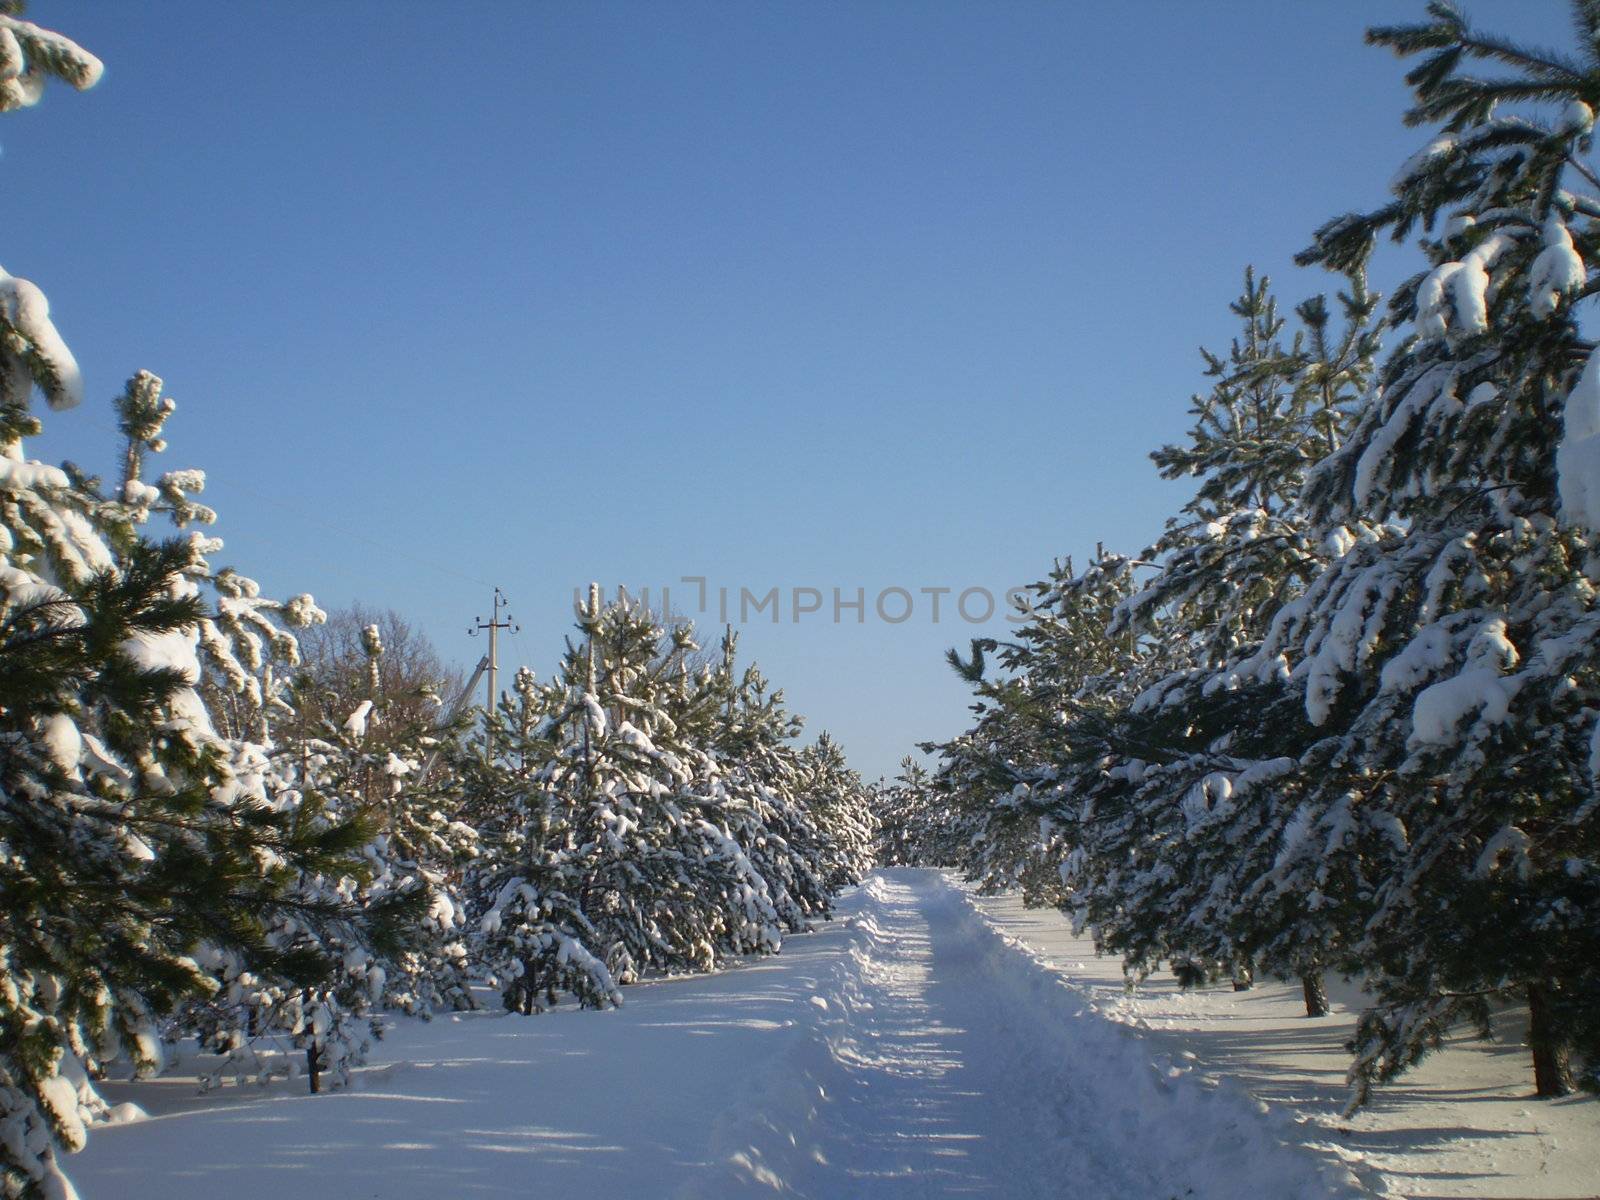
(785, 294)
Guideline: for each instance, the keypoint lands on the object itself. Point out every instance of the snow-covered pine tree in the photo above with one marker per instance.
(750, 736)
(531, 938)
(1217, 742)
(361, 769)
(372, 766)
(138, 845)
(421, 843)
(839, 804)
(298, 971)
(607, 823)
(1239, 550)
(1085, 802)
(1018, 783)
(633, 810)
(909, 818)
(1450, 657)
(650, 815)
(29, 58)
(727, 847)
(143, 851)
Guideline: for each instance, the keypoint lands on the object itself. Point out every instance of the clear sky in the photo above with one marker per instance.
(800, 295)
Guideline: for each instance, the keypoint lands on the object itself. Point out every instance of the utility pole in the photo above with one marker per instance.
(494, 625)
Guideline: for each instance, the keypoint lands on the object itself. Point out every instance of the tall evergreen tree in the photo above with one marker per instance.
(1217, 742)
(1450, 658)
(143, 857)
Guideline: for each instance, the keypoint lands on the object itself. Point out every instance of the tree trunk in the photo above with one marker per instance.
(1316, 994)
(314, 1065)
(1552, 1062)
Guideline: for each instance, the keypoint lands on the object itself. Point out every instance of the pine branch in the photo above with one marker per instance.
(971, 669)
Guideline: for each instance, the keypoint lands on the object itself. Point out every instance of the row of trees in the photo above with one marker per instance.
(204, 837)
(656, 816)
(1342, 716)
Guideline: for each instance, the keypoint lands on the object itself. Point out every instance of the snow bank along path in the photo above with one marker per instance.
(1464, 1123)
(909, 1049)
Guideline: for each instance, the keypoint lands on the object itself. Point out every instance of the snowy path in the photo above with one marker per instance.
(906, 1084)
(949, 1062)
(908, 1050)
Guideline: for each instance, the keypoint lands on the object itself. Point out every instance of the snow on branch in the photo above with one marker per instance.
(31, 351)
(30, 55)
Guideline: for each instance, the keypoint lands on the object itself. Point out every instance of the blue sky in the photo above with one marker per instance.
(864, 295)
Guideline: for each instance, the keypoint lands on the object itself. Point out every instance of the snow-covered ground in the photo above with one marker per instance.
(1463, 1123)
(912, 1048)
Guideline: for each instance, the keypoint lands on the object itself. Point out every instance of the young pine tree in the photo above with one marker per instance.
(1217, 742)
(138, 844)
(1450, 658)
